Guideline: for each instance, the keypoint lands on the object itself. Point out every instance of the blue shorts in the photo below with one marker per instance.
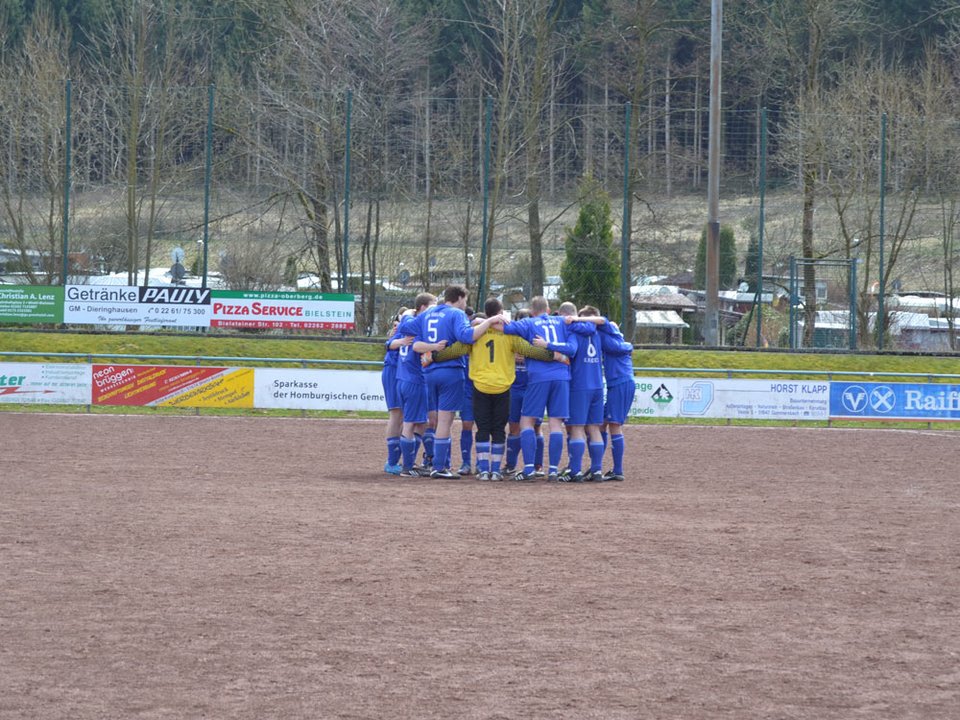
(619, 402)
(388, 376)
(586, 407)
(551, 396)
(445, 388)
(516, 403)
(413, 399)
(466, 409)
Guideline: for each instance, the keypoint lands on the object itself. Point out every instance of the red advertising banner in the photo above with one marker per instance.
(172, 385)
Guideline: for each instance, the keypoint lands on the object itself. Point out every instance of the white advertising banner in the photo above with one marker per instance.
(733, 399)
(126, 305)
(656, 397)
(190, 307)
(46, 384)
(318, 389)
(282, 310)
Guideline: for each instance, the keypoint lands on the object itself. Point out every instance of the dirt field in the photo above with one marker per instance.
(194, 567)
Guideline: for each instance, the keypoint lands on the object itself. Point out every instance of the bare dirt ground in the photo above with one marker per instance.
(195, 567)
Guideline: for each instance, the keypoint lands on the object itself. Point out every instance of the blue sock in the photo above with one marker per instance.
(408, 450)
(466, 445)
(575, 450)
(441, 453)
(393, 450)
(429, 439)
(539, 458)
(513, 450)
(496, 453)
(556, 450)
(483, 456)
(596, 456)
(616, 449)
(528, 444)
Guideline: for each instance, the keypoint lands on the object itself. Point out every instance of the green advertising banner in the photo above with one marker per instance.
(31, 304)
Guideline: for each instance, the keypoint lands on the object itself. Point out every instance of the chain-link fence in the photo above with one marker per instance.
(382, 196)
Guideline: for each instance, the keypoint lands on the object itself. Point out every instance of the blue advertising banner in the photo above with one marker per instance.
(894, 401)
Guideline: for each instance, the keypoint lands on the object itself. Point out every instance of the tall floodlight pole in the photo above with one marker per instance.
(207, 173)
(625, 228)
(345, 274)
(711, 319)
(881, 317)
(485, 181)
(68, 150)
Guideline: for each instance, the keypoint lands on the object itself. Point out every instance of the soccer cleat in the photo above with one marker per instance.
(538, 474)
(611, 476)
(392, 469)
(573, 477)
(410, 472)
(444, 475)
(523, 477)
(565, 473)
(496, 477)
(484, 476)
(465, 469)
(553, 477)
(597, 476)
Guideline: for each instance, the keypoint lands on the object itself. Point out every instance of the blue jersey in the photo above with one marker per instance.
(586, 367)
(617, 355)
(408, 366)
(555, 331)
(444, 322)
(520, 380)
(393, 356)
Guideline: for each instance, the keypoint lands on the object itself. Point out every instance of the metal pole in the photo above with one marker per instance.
(208, 170)
(488, 118)
(345, 278)
(625, 230)
(760, 229)
(711, 324)
(68, 151)
(881, 320)
(852, 279)
(793, 303)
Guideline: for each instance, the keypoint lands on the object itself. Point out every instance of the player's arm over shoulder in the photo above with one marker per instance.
(522, 347)
(458, 349)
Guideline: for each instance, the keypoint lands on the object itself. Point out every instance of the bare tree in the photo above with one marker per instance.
(800, 38)
(33, 147)
(150, 83)
(327, 48)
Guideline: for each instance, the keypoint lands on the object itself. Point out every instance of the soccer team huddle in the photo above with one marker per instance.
(504, 376)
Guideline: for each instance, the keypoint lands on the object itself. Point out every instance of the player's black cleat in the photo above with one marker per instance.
(446, 474)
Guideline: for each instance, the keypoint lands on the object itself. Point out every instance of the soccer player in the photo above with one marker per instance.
(517, 391)
(388, 378)
(621, 387)
(586, 395)
(466, 409)
(411, 386)
(548, 384)
(493, 370)
(446, 323)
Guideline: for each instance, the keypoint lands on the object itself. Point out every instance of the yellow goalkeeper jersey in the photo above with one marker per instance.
(493, 366)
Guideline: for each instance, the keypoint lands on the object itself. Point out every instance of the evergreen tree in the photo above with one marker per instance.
(590, 273)
(728, 259)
